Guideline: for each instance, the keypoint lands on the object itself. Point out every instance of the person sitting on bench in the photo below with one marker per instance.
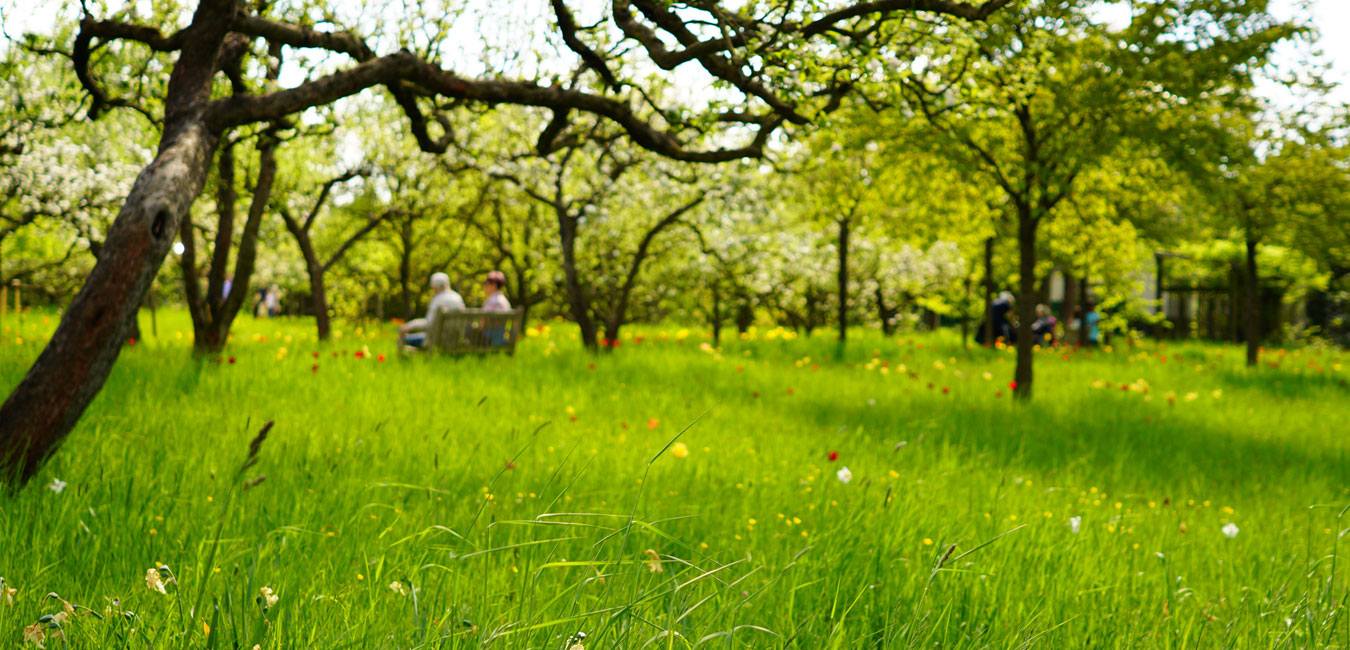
(495, 335)
(413, 332)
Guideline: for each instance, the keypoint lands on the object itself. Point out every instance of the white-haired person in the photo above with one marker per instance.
(413, 332)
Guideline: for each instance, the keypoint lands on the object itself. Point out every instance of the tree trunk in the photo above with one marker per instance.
(314, 268)
(884, 312)
(843, 279)
(1026, 302)
(965, 317)
(50, 399)
(1253, 306)
(576, 295)
(405, 269)
(989, 292)
(716, 315)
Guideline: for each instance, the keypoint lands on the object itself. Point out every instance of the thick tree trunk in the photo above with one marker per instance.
(1253, 306)
(1026, 302)
(843, 279)
(50, 399)
(989, 291)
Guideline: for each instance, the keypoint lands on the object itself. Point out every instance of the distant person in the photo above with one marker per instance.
(413, 332)
(999, 311)
(229, 284)
(260, 304)
(492, 286)
(273, 301)
(1044, 327)
(494, 334)
(1091, 332)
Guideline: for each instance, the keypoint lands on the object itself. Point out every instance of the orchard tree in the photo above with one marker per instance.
(1048, 95)
(756, 53)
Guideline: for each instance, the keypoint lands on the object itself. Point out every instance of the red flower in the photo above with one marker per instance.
(314, 368)
(359, 354)
(623, 425)
(1012, 385)
(231, 360)
(335, 353)
(740, 369)
(790, 391)
(131, 341)
(638, 339)
(316, 354)
(946, 390)
(834, 455)
(380, 358)
(652, 423)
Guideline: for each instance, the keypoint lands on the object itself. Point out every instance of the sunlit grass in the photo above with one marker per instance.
(513, 502)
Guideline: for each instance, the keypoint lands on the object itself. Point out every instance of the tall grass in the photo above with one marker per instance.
(673, 495)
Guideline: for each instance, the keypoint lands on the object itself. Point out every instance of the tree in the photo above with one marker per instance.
(301, 228)
(1045, 95)
(749, 53)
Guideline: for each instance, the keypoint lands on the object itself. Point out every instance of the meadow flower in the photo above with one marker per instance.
(844, 475)
(652, 423)
(1075, 524)
(834, 455)
(679, 450)
(57, 485)
(153, 581)
(398, 588)
(653, 562)
(8, 592)
(267, 597)
(1230, 530)
(34, 634)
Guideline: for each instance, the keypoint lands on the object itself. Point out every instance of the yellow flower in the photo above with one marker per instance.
(927, 542)
(679, 450)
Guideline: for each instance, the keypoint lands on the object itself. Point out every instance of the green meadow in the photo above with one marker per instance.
(771, 493)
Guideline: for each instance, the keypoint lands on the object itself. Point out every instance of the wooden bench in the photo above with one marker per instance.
(474, 331)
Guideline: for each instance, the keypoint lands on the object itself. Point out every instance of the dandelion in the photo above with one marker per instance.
(1230, 530)
(1075, 524)
(679, 450)
(844, 475)
(57, 485)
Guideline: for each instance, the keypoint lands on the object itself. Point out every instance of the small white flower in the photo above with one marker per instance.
(1075, 523)
(844, 475)
(57, 485)
(1230, 530)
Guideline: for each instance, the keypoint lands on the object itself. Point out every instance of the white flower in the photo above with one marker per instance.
(57, 485)
(1075, 523)
(1230, 530)
(844, 475)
